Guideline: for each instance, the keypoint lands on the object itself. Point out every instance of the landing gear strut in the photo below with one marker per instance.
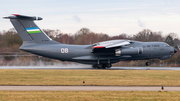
(148, 63)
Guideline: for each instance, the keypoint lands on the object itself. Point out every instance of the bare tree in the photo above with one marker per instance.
(82, 31)
(143, 35)
(169, 40)
(65, 38)
(120, 36)
(52, 33)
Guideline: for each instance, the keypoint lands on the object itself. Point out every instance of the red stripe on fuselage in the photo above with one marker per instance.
(98, 47)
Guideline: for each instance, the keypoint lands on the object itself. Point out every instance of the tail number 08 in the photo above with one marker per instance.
(64, 50)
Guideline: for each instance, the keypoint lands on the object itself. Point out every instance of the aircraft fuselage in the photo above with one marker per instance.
(83, 53)
(100, 55)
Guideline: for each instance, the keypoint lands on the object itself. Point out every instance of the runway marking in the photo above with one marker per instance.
(87, 88)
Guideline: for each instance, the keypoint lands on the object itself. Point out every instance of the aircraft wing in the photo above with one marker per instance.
(111, 44)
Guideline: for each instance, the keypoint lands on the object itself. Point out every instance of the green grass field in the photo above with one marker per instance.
(91, 77)
(88, 96)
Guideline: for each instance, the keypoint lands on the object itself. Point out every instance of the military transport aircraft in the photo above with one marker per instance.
(99, 55)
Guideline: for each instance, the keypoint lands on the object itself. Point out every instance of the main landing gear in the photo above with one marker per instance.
(102, 66)
(148, 63)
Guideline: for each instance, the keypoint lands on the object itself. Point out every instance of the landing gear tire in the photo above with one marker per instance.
(97, 66)
(94, 66)
(108, 65)
(148, 63)
(104, 66)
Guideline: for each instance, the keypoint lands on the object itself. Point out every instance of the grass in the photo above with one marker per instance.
(91, 77)
(88, 96)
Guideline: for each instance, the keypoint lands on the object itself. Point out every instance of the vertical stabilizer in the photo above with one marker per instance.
(28, 30)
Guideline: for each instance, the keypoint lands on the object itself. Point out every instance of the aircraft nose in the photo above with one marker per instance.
(175, 50)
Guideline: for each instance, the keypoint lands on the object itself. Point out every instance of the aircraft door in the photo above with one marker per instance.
(148, 51)
(76, 52)
(155, 51)
(151, 52)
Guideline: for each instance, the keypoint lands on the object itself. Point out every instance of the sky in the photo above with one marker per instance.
(111, 17)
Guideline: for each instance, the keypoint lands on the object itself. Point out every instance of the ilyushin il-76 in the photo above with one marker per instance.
(99, 55)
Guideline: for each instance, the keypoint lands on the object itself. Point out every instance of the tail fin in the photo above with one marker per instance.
(28, 30)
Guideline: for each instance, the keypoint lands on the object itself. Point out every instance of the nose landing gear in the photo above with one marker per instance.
(148, 63)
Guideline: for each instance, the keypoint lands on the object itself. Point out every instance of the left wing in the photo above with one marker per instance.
(111, 44)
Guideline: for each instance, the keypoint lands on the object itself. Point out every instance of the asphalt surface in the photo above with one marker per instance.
(88, 67)
(87, 88)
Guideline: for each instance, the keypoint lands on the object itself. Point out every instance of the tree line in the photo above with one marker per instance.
(86, 36)
(10, 39)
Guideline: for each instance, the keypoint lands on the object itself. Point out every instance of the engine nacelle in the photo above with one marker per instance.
(129, 51)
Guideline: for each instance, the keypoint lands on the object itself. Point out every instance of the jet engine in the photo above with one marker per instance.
(128, 51)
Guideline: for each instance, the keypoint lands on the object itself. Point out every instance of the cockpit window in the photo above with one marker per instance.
(166, 45)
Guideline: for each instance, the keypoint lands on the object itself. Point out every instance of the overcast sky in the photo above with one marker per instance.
(111, 17)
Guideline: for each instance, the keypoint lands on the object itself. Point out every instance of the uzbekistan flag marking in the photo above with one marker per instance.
(33, 30)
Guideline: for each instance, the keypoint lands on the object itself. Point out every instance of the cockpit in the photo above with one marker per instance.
(166, 45)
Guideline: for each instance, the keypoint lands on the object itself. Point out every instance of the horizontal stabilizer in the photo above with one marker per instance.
(22, 17)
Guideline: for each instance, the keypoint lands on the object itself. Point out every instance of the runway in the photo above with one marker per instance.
(87, 88)
(88, 68)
